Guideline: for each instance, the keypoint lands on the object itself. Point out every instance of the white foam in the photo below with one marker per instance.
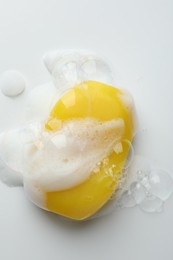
(51, 161)
(12, 145)
(40, 101)
(11, 152)
(48, 161)
(71, 67)
(129, 104)
(12, 83)
(67, 158)
(34, 193)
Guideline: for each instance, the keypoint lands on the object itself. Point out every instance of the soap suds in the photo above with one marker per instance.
(27, 155)
(71, 67)
(12, 83)
(68, 157)
(141, 185)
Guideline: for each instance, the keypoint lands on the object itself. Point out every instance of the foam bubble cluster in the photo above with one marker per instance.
(140, 185)
(72, 67)
(150, 190)
(69, 160)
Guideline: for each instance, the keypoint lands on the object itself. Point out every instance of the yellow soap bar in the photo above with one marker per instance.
(102, 102)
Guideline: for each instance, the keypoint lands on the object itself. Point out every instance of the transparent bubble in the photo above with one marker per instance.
(140, 185)
(89, 67)
(161, 184)
(65, 75)
(138, 192)
(127, 200)
(73, 68)
(142, 174)
(151, 204)
(145, 183)
(96, 69)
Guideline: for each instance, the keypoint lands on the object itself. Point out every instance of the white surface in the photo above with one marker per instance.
(136, 36)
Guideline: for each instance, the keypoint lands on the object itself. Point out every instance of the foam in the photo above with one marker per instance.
(71, 67)
(66, 158)
(40, 101)
(50, 161)
(12, 83)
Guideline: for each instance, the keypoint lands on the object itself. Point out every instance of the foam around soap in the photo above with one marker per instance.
(66, 158)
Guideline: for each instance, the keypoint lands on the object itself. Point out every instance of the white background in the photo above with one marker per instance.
(137, 37)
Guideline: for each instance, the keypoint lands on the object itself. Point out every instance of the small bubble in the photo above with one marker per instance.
(141, 174)
(145, 182)
(118, 148)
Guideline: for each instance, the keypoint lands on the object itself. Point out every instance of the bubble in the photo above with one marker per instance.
(161, 184)
(12, 83)
(143, 186)
(127, 200)
(65, 75)
(96, 69)
(145, 183)
(141, 174)
(151, 204)
(89, 67)
(138, 192)
(118, 148)
(73, 67)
